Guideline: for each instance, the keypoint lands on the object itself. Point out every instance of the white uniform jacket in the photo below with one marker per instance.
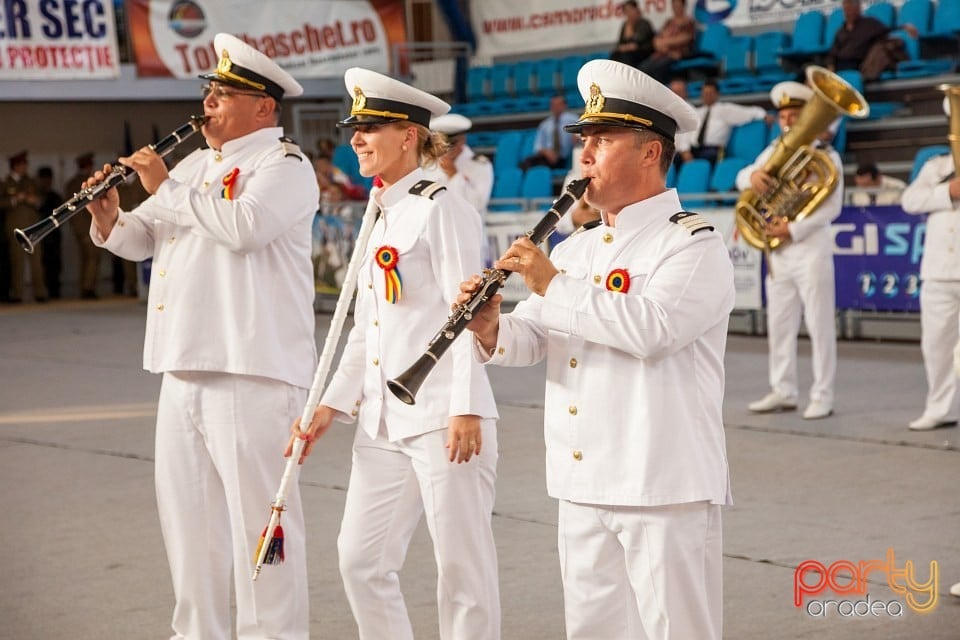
(437, 241)
(231, 286)
(930, 193)
(811, 238)
(635, 379)
(724, 116)
(473, 181)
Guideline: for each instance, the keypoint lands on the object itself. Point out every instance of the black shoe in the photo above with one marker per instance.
(89, 295)
(40, 300)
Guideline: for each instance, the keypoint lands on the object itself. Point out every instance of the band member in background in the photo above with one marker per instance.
(88, 254)
(20, 199)
(936, 191)
(631, 316)
(52, 249)
(462, 171)
(801, 284)
(230, 325)
(436, 458)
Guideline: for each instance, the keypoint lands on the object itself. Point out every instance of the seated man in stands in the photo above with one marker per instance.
(553, 145)
(869, 177)
(717, 120)
(334, 184)
(863, 43)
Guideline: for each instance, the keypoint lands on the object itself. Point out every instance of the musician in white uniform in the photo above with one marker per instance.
(230, 325)
(631, 316)
(462, 171)
(438, 457)
(800, 282)
(936, 191)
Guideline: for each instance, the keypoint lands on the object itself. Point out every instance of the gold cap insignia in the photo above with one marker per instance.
(595, 103)
(359, 100)
(224, 66)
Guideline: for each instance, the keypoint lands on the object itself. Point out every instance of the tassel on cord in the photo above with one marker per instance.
(275, 550)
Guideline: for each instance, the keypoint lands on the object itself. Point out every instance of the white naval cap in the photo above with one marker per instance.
(790, 94)
(620, 95)
(451, 124)
(378, 99)
(244, 67)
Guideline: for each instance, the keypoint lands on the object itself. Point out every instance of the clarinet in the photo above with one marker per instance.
(29, 237)
(406, 385)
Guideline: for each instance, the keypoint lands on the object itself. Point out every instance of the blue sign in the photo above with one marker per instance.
(877, 254)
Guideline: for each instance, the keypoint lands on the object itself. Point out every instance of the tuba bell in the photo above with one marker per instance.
(953, 134)
(804, 176)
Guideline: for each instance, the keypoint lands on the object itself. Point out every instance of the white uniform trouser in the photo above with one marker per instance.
(219, 449)
(643, 573)
(391, 485)
(939, 318)
(802, 288)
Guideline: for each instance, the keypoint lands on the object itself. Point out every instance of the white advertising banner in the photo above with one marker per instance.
(507, 27)
(58, 40)
(309, 39)
(746, 260)
(742, 13)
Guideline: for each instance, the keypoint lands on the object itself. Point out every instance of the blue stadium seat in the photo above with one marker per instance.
(711, 47)
(523, 78)
(925, 153)
(547, 70)
(724, 177)
(747, 140)
(946, 21)
(882, 11)
(477, 80)
(693, 178)
(501, 77)
(537, 183)
(345, 159)
(774, 132)
(569, 68)
(833, 24)
(672, 176)
(766, 61)
(918, 13)
(916, 66)
(807, 37)
(737, 70)
(506, 185)
(507, 156)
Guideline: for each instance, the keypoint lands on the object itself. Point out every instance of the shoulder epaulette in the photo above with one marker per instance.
(427, 189)
(692, 222)
(290, 148)
(479, 158)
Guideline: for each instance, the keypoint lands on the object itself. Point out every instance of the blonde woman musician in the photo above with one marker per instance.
(438, 457)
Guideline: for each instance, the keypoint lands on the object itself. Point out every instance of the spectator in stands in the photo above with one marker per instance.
(635, 43)
(552, 146)
(19, 199)
(673, 42)
(869, 177)
(717, 120)
(862, 43)
(463, 172)
(52, 254)
(334, 184)
(88, 253)
(800, 282)
(936, 192)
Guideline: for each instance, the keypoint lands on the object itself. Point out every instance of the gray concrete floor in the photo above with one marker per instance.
(83, 556)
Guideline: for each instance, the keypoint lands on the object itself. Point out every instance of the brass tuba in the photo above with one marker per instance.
(953, 135)
(804, 176)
